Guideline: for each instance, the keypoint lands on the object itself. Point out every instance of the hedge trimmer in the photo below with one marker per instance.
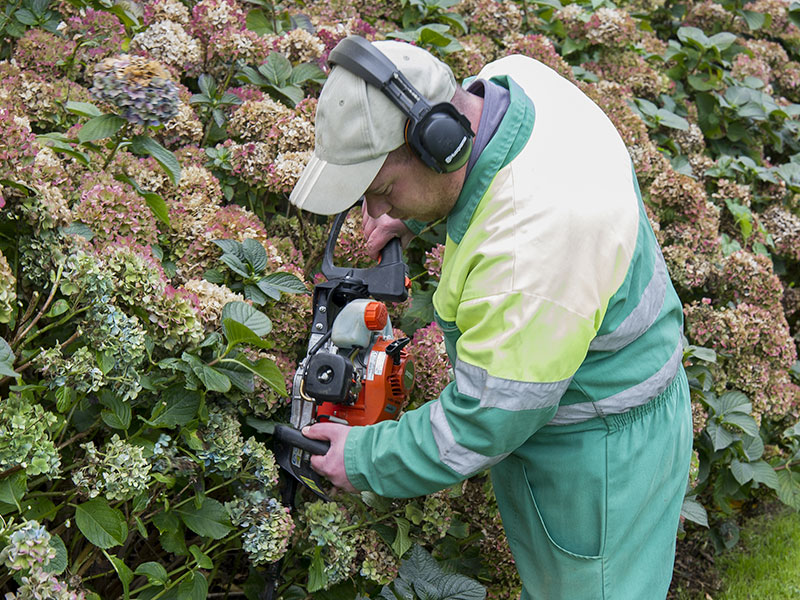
(355, 372)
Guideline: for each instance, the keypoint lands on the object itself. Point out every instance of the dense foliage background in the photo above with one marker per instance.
(154, 281)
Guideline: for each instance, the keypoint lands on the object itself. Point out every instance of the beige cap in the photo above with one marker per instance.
(357, 126)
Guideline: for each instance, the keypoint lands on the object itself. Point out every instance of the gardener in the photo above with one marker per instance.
(559, 317)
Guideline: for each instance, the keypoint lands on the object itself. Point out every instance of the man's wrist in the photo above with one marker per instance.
(351, 459)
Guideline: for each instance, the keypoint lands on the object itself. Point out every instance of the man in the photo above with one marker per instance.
(559, 317)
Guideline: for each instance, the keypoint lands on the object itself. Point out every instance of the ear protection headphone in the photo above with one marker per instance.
(440, 135)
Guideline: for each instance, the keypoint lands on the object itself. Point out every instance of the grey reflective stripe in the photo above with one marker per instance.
(462, 460)
(625, 400)
(496, 392)
(643, 316)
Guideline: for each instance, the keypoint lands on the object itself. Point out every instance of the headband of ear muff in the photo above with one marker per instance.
(440, 135)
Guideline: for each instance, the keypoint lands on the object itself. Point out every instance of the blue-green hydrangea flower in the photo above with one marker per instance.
(262, 463)
(27, 546)
(119, 472)
(25, 440)
(325, 523)
(222, 441)
(268, 525)
(8, 291)
(140, 89)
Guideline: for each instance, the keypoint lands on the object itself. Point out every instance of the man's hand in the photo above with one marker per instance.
(331, 465)
(379, 231)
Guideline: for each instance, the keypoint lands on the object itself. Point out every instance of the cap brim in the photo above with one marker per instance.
(326, 189)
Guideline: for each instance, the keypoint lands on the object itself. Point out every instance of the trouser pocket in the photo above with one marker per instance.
(548, 570)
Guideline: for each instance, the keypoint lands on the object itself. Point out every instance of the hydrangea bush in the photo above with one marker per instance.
(135, 458)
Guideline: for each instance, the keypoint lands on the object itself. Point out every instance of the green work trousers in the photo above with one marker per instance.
(591, 510)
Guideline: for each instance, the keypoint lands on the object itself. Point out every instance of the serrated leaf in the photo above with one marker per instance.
(753, 447)
(402, 543)
(264, 368)
(212, 379)
(158, 206)
(258, 22)
(13, 489)
(240, 376)
(142, 144)
(210, 520)
(693, 511)
(102, 525)
(255, 295)
(123, 572)
(720, 437)
(458, 587)
(734, 401)
(245, 314)
(177, 407)
(755, 20)
(788, 489)
(194, 587)
(237, 333)
(58, 564)
(277, 69)
(100, 128)
(202, 559)
(281, 282)
(84, 109)
(764, 473)
(235, 264)
(118, 415)
(255, 254)
(307, 72)
(317, 578)
(744, 422)
(231, 247)
(155, 572)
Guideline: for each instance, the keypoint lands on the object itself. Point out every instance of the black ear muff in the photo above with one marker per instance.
(442, 139)
(440, 135)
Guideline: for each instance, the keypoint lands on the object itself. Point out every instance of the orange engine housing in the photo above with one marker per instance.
(384, 390)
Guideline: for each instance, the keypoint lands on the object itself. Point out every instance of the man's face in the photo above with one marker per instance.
(405, 188)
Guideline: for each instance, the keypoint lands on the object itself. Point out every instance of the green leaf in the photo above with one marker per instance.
(155, 572)
(788, 489)
(178, 406)
(255, 254)
(231, 247)
(212, 379)
(670, 119)
(123, 572)
(764, 473)
(744, 422)
(754, 19)
(119, 414)
(720, 437)
(236, 265)
(13, 488)
(722, 41)
(236, 333)
(84, 109)
(258, 22)
(275, 283)
(240, 376)
(194, 587)
(210, 520)
(693, 511)
(58, 564)
(277, 69)
(59, 307)
(245, 314)
(734, 401)
(753, 447)
(207, 85)
(7, 359)
(100, 128)
(402, 542)
(158, 206)
(202, 559)
(264, 368)
(142, 144)
(307, 72)
(459, 587)
(101, 524)
(317, 578)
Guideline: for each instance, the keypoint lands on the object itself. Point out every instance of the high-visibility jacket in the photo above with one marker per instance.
(554, 297)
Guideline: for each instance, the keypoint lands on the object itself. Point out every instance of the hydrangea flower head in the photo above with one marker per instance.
(140, 89)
